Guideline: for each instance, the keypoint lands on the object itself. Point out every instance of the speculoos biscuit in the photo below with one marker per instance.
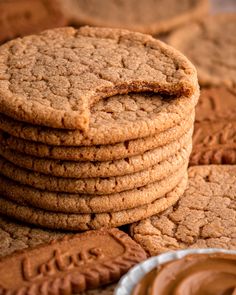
(71, 264)
(17, 236)
(214, 139)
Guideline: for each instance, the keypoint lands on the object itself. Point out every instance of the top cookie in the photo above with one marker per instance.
(53, 78)
(147, 16)
(210, 45)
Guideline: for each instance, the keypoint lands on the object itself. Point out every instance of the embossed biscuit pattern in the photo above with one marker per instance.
(57, 266)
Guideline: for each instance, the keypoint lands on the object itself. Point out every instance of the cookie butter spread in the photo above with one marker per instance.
(198, 274)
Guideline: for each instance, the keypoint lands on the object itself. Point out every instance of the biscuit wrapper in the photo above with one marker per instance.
(135, 274)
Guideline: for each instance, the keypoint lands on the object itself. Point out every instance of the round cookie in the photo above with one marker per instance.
(97, 185)
(16, 236)
(53, 78)
(146, 16)
(82, 203)
(116, 151)
(90, 221)
(115, 119)
(215, 55)
(81, 169)
(204, 217)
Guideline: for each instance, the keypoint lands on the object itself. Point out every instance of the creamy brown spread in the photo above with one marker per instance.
(197, 274)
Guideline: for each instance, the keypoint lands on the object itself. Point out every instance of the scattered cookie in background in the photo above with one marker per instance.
(22, 17)
(214, 139)
(210, 45)
(146, 16)
(51, 260)
(223, 6)
(203, 218)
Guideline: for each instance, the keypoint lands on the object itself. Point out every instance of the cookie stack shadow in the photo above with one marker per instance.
(130, 164)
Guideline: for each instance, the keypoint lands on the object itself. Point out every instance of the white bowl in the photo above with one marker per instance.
(135, 274)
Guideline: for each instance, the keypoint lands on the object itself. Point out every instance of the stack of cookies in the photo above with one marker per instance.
(96, 127)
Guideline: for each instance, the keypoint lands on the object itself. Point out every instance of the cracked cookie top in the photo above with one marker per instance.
(204, 217)
(53, 78)
(210, 45)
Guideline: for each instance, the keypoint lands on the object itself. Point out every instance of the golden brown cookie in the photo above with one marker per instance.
(113, 120)
(204, 217)
(53, 78)
(107, 152)
(84, 203)
(90, 221)
(16, 236)
(99, 186)
(81, 169)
